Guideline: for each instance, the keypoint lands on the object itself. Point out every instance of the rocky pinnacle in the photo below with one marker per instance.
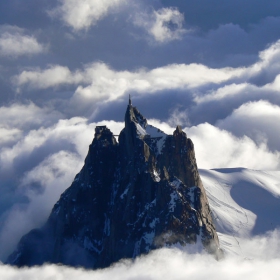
(132, 196)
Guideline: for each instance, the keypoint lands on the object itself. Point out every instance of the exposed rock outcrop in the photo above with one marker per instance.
(131, 196)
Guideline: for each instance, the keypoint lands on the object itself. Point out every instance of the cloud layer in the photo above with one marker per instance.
(48, 141)
(173, 264)
(67, 65)
(14, 42)
(163, 25)
(83, 14)
(223, 89)
(259, 122)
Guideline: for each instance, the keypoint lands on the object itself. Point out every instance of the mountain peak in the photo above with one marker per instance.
(103, 134)
(131, 196)
(132, 115)
(178, 130)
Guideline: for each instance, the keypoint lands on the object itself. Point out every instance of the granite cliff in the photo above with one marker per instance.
(133, 195)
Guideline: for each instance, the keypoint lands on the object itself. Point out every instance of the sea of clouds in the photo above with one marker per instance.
(62, 72)
(260, 260)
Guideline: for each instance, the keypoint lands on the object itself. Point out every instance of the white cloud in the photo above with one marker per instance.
(52, 156)
(62, 147)
(54, 174)
(27, 127)
(97, 82)
(18, 118)
(170, 264)
(234, 90)
(164, 126)
(41, 79)
(269, 60)
(28, 115)
(216, 148)
(259, 121)
(63, 131)
(107, 84)
(268, 246)
(9, 135)
(275, 85)
(219, 148)
(163, 25)
(14, 43)
(178, 117)
(84, 13)
(241, 86)
(74, 134)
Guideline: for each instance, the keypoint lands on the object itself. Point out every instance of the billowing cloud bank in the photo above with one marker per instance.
(14, 42)
(83, 14)
(66, 66)
(173, 264)
(41, 163)
(43, 149)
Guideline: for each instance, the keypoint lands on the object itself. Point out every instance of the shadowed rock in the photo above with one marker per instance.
(132, 196)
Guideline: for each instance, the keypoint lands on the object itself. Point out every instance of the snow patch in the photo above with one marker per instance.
(154, 132)
(160, 144)
(159, 136)
(154, 222)
(176, 183)
(172, 203)
(140, 130)
(156, 176)
(191, 193)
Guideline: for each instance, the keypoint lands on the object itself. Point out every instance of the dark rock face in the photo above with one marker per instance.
(129, 198)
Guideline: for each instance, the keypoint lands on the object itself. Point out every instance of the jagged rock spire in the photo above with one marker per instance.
(129, 101)
(131, 196)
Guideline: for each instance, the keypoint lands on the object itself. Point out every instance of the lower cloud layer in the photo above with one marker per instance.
(172, 264)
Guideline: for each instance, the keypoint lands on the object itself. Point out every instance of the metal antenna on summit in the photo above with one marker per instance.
(129, 102)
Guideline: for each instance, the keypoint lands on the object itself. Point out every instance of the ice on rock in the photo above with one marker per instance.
(140, 130)
(160, 144)
(176, 183)
(158, 135)
(156, 176)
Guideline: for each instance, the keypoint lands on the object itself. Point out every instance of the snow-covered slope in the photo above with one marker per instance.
(244, 203)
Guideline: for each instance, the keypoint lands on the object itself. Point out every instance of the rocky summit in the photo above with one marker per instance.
(133, 195)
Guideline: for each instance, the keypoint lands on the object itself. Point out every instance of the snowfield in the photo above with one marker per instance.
(245, 203)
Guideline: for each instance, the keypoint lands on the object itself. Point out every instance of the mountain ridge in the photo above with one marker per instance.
(132, 196)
